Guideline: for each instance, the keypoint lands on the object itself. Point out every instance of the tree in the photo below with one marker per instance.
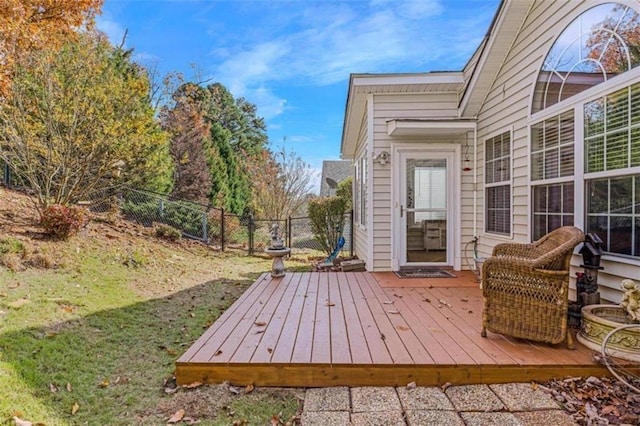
(27, 25)
(283, 186)
(189, 135)
(77, 117)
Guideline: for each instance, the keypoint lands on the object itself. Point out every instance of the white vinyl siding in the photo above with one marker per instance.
(391, 107)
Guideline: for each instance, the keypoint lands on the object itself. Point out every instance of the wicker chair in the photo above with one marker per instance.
(526, 286)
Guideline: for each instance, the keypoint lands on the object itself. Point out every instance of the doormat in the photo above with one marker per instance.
(425, 273)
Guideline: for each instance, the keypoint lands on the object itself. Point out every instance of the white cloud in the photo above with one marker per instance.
(114, 31)
(331, 41)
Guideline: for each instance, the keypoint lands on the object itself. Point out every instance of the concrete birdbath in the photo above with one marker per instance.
(600, 320)
(277, 251)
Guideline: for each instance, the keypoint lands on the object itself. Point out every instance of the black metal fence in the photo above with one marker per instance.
(211, 225)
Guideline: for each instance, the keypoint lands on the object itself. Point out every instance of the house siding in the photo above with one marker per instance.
(360, 236)
(396, 106)
(507, 107)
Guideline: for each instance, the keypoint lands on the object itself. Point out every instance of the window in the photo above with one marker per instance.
(612, 131)
(552, 159)
(552, 207)
(498, 183)
(600, 44)
(360, 191)
(612, 146)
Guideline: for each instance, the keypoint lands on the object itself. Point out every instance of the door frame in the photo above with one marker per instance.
(399, 153)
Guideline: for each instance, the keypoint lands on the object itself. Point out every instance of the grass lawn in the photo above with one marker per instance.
(93, 339)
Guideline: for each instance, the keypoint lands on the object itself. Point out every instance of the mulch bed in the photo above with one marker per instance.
(596, 400)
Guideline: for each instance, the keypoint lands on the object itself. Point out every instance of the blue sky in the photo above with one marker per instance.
(293, 58)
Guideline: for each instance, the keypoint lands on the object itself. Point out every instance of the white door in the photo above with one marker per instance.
(426, 208)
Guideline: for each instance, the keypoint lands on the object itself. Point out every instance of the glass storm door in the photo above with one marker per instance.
(424, 209)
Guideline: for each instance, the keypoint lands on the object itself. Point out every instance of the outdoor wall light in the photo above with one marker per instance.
(382, 157)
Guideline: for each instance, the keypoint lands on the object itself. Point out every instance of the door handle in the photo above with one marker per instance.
(401, 209)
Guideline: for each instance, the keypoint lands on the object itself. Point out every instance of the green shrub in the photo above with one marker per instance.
(327, 220)
(61, 221)
(168, 232)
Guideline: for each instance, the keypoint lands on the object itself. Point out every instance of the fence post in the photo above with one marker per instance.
(204, 226)
(289, 227)
(222, 229)
(251, 227)
(351, 233)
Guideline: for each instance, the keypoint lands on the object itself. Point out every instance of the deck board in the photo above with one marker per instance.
(360, 328)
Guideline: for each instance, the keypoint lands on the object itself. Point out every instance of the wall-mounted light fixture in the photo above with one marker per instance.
(382, 157)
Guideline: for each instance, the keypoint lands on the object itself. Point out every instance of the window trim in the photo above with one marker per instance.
(360, 191)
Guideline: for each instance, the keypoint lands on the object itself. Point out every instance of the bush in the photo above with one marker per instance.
(168, 232)
(327, 220)
(61, 221)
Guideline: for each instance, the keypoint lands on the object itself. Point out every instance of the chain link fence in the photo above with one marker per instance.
(208, 224)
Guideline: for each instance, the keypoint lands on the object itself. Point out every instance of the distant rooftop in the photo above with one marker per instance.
(333, 172)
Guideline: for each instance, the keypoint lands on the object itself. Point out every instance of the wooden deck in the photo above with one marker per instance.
(359, 329)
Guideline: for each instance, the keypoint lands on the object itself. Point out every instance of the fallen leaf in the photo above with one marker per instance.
(427, 300)
(258, 332)
(69, 387)
(445, 386)
(104, 383)
(260, 323)
(382, 336)
(393, 312)
(464, 299)
(402, 328)
(75, 408)
(275, 420)
(234, 390)
(470, 312)
(192, 315)
(177, 417)
(68, 309)
(19, 422)
(53, 388)
(218, 352)
(269, 350)
(388, 302)
(249, 388)
(412, 385)
(330, 304)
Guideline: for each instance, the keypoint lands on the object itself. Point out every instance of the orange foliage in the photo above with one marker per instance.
(35, 24)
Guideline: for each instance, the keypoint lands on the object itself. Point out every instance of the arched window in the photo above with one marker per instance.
(600, 44)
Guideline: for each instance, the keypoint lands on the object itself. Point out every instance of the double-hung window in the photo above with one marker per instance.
(552, 169)
(498, 184)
